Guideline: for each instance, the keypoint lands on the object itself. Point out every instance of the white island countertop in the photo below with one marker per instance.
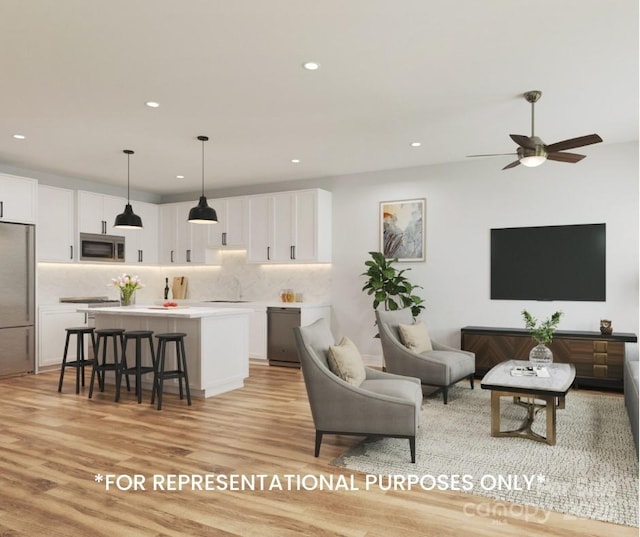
(216, 340)
(181, 312)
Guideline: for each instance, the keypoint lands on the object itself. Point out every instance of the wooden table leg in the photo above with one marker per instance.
(551, 420)
(495, 412)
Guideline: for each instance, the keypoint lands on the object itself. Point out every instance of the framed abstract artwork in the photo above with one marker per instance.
(403, 229)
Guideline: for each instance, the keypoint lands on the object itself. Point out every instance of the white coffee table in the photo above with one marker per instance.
(552, 390)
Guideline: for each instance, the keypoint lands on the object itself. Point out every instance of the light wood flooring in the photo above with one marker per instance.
(52, 445)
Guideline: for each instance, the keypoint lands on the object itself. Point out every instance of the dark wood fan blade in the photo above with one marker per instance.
(565, 157)
(523, 141)
(512, 165)
(493, 155)
(573, 143)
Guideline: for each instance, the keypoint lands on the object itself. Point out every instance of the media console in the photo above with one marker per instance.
(598, 359)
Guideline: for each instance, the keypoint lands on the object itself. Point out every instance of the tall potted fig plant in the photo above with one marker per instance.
(389, 286)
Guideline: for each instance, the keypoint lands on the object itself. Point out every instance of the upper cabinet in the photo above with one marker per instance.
(181, 242)
(142, 245)
(97, 213)
(18, 199)
(56, 223)
(231, 229)
(290, 227)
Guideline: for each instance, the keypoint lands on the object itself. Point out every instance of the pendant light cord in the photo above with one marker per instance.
(128, 152)
(203, 167)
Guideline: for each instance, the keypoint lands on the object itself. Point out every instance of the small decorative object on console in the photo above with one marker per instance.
(606, 328)
(543, 334)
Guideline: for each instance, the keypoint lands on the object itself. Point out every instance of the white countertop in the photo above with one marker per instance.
(184, 312)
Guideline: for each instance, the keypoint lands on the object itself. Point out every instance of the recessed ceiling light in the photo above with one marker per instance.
(179, 176)
(416, 144)
(295, 160)
(152, 104)
(311, 66)
(19, 136)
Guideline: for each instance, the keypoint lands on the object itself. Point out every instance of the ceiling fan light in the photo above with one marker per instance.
(202, 213)
(533, 161)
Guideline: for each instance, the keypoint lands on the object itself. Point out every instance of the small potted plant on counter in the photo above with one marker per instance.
(127, 286)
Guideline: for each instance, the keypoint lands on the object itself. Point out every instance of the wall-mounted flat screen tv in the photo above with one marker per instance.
(549, 263)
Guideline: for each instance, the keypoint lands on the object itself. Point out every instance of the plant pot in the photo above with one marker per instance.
(541, 355)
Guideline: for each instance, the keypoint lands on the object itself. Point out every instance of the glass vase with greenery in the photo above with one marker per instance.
(543, 332)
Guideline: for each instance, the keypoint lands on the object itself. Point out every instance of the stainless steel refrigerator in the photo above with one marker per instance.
(17, 302)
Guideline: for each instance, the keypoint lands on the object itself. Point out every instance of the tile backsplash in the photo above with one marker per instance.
(232, 279)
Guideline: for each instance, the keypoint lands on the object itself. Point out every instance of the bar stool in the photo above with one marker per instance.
(81, 360)
(179, 373)
(116, 335)
(138, 369)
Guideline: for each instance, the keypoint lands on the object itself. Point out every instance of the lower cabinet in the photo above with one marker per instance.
(52, 322)
(598, 358)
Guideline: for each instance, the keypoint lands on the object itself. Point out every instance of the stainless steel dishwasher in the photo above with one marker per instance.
(281, 346)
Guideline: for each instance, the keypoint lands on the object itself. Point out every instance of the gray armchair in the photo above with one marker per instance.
(442, 367)
(383, 405)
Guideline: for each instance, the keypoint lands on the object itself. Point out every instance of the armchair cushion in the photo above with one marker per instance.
(415, 337)
(345, 361)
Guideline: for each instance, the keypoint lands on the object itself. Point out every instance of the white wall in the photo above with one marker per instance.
(464, 201)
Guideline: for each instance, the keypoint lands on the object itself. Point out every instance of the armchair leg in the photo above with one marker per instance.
(318, 442)
(412, 447)
(471, 381)
(445, 393)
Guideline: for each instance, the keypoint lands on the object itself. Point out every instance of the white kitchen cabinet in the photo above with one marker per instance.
(142, 245)
(260, 233)
(183, 243)
(231, 229)
(290, 227)
(258, 334)
(97, 213)
(55, 231)
(18, 199)
(52, 322)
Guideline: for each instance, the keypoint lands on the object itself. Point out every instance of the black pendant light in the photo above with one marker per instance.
(128, 219)
(202, 213)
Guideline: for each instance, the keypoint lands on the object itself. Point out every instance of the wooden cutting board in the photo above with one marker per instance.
(179, 287)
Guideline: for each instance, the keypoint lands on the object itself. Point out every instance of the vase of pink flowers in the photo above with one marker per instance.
(127, 286)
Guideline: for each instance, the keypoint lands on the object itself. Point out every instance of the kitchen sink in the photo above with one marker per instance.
(228, 301)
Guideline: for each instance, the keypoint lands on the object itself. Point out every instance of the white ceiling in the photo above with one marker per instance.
(447, 73)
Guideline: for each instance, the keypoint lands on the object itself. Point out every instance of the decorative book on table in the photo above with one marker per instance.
(530, 371)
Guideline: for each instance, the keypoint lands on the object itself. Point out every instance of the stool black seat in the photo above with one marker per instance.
(138, 370)
(101, 367)
(81, 360)
(181, 366)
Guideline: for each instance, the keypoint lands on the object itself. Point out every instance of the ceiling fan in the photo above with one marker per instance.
(532, 151)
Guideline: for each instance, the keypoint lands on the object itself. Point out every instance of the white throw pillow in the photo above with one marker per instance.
(345, 361)
(415, 337)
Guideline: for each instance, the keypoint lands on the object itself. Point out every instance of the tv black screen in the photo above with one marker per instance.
(549, 263)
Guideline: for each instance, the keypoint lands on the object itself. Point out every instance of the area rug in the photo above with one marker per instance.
(591, 472)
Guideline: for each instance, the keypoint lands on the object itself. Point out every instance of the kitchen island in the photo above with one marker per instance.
(216, 344)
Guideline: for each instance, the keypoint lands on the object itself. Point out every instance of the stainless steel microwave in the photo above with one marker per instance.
(105, 248)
